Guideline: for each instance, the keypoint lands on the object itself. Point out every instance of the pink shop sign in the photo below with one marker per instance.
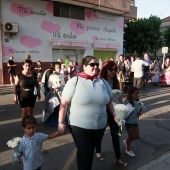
(98, 45)
(67, 43)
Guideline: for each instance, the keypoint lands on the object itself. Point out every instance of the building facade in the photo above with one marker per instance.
(49, 30)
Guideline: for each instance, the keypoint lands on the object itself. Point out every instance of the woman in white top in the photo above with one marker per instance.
(87, 115)
(52, 101)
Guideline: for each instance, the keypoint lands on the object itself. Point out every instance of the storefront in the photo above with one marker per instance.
(37, 32)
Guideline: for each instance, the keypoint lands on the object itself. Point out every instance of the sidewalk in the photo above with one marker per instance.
(162, 162)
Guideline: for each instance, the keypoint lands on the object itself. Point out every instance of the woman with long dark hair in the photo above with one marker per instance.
(108, 72)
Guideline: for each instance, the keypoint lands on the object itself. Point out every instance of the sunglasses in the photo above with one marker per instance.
(93, 64)
(112, 69)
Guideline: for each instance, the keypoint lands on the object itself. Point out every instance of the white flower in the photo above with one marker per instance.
(116, 95)
(121, 111)
(13, 142)
(140, 105)
(14, 145)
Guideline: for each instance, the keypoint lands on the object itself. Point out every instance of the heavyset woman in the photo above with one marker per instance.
(88, 96)
(108, 72)
(24, 87)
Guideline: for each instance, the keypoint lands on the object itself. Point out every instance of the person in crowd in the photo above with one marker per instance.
(122, 64)
(167, 62)
(127, 63)
(100, 63)
(67, 61)
(137, 69)
(155, 71)
(132, 119)
(11, 69)
(71, 70)
(112, 59)
(87, 115)
(39, 69)
(52, 101)
(146, 70)
(28, 57)
(31, 144)
(56, 79)
(76, 68)
(131, 74)
(132, 59)
(155, 64)
(108, 73)
(24, 87)
(44, 80)
(62, 65)
(165, 77)
(121, 79)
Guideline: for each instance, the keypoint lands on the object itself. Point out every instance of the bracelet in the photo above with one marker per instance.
(61, 122)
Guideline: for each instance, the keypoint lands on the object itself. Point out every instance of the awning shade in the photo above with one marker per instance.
(69, 43)
(108, 46)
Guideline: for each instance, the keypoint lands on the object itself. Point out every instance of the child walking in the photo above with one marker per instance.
(132, 119)
(31, 144)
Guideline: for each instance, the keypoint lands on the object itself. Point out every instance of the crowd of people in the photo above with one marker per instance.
(81, 99)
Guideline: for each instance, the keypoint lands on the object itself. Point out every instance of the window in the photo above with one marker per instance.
(69, 11)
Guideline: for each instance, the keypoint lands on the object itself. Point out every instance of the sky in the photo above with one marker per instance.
(160, 8)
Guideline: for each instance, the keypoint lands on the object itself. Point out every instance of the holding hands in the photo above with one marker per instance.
(61, 128)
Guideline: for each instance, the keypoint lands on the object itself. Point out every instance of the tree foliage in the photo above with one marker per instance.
(167, 37)
(143, 35)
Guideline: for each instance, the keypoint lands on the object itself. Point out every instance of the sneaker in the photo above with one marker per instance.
(124, 141)
(130, 153)
(99, 157)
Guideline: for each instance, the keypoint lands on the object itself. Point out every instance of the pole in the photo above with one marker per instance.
(163, 61)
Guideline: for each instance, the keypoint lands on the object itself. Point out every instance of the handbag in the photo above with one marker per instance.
(36, 91)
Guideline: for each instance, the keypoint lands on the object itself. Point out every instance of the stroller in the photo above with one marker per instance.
(128, 81)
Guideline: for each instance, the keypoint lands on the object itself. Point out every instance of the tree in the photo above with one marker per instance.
(143, 35)
(167, 37)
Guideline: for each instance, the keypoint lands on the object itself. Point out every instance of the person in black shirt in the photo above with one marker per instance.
(25, 82)
(11, 69)
(39, 69)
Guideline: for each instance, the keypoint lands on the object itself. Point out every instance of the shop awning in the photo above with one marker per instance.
(69, 43)
(106, 46)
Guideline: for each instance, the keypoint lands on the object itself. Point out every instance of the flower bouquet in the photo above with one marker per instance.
(14, 145)
(116, 95)
(121, 111)
(140, 105)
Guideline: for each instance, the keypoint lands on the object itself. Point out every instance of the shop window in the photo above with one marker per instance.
(69, 11)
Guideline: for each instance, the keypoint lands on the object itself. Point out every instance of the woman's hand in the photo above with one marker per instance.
(39, 97)
(15, 99)
(61, 128)
(116, 119)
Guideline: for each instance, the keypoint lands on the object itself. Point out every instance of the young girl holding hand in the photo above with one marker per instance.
(132, 119)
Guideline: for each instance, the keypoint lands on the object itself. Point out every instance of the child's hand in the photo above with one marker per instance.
(140, 112)
(19, 156)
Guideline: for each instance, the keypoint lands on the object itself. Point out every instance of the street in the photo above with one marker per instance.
(60, 153)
